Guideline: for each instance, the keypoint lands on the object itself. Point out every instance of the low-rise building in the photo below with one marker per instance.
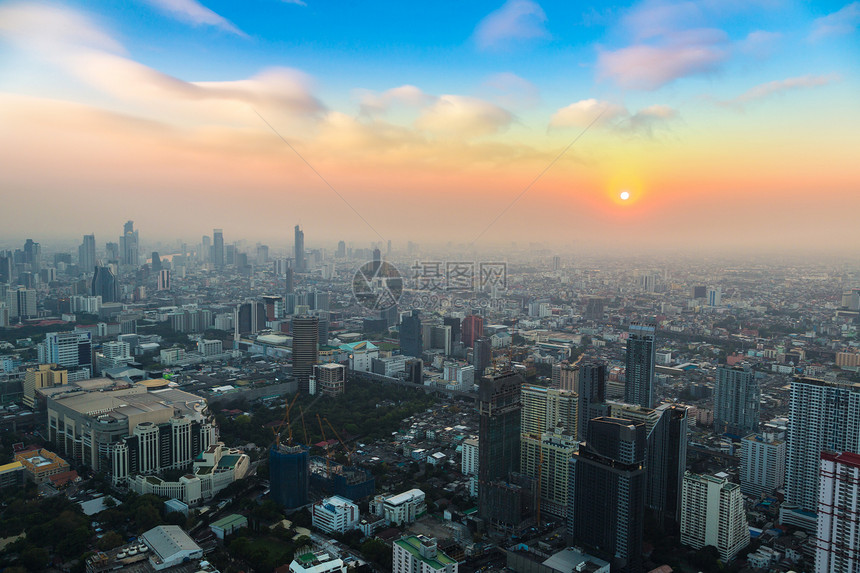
(420, 554)
(40, 465)
(228, 525)
(11, 475)
(169, 546)
(335, 514)
(317, 562)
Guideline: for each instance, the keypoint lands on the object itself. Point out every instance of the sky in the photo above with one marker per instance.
(733, 125)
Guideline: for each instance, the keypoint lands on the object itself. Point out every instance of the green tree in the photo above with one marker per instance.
(110, 540)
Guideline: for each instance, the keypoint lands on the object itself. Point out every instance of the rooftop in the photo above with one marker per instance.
(168, 540)
(231, 520)
(412, 544)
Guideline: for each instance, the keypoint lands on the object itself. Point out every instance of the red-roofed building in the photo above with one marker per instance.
(64, 479)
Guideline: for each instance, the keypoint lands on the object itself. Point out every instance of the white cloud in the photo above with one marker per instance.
(841, 22)
(193, 12)
(49, 29)
(614, 117)
(651, 66)
(759, 43)
(463, 117)
(372, 103)
(510, 90)
(583, 112)
(516, 20)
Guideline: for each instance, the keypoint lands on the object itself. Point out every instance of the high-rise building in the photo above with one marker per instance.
(249, 317)
(21, 302)
(589, 382)
(838, 534)
(305, 330)
(87, 254)
(824, 416)
(737, 400)
(33, 255)
(712, 513)
(129, 246)
(411, 335)
(420, 554)
(105, 284)
(499, 432)
(341, 250)
(607, 487)
(473, 328)
(469, 461)
(639, 381)
(594, 308)
(330, 379)
(274, 307)
(42, 376)
(217, 255)
(482, 355)
(665, 465)
(440, 338)
(715, 296)
(762, 463)
(549, 422)
(163, 280)
(5, 267)
(288, 475)
(455, 324)
(156, 265)
(299, 250)
(72, 350)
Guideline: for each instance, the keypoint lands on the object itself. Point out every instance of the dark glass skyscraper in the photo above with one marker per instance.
(737, 401)
(592, 394)
(641, 350)
(665, 465)
(305, 331)
(499, 432)
(299, 246)
(411, 335)
(87, 254)
(217, 257)
(482, 355)
(607, 485)
(105, 285)
(288, 475)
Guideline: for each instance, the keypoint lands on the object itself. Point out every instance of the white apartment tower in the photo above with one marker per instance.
(762, 463)
(712, 513)
(838, 536)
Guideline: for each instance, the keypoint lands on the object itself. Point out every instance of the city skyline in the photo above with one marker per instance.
(729, 125)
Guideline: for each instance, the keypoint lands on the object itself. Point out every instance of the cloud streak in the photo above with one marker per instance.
(768, 89)
(614, 117)
(196, 14)
(839, 23)
(516, 20)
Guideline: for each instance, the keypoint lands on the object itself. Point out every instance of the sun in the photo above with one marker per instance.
(625, 195)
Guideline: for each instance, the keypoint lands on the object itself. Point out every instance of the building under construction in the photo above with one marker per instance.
(351, 482)
(288, 475)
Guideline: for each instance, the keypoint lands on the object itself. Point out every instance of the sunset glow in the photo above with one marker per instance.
(745, 111)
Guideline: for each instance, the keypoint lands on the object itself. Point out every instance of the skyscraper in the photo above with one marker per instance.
(712, 513)
(87, 254)
(249, 317)
(482, 355)
(639, 385)
(549, 421)
(590, 385)
(105, 284)
(838, 535)
(341, 250)
(72, 350)
(665, 465)
(163, 279)
(217, 256)
(156, 262)
(129, 245)
(737, 400)
(288, 475)
(473, 328)
(411, 335)
(762, 463)
(21, 302)
(824, 416)
(499, 429)
(607, 485)
(305, 330)
(299, 247)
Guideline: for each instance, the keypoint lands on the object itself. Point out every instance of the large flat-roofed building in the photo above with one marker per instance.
(420, 554)
(169, 546)
(317, 562)
(401, 508)
(123, 429)
(335, 514)
(40, 465)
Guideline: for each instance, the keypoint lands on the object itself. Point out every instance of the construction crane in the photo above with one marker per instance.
(342, 443)
(285, 420)
(304, 429)
(327, 452)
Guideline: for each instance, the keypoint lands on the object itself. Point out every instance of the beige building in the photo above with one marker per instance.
(40, 465)
(849, 359)
(42, 376)
(712, 513)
